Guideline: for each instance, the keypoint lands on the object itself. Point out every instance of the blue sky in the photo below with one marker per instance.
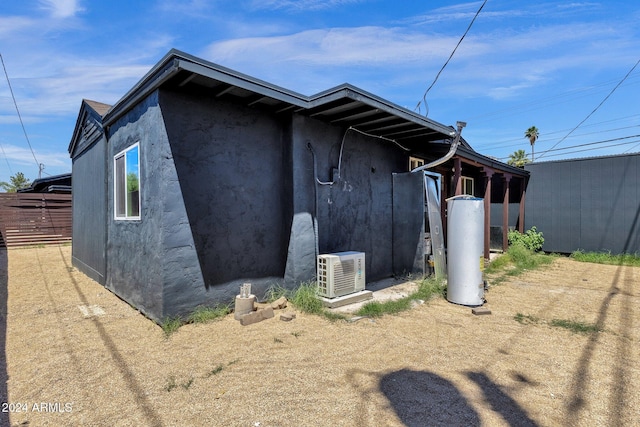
(548, 64)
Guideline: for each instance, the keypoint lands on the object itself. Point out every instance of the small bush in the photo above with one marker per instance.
(530, 239)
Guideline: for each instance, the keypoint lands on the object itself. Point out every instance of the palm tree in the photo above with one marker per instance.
(532, 133)
(518, 158)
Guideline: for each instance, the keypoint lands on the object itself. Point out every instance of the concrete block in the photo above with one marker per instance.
(347, 299)
(287, 317)
(279, 303)
(480, 310)
(260, 305)
(256, 316)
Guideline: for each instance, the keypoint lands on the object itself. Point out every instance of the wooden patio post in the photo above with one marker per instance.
(523, 194)
(505, 212)
(488, 172)
(457, 174)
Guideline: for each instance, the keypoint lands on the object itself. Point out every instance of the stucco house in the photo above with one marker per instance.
(201, 178)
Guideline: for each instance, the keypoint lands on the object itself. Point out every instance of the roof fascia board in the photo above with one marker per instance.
(242, 81)
(85, 110)
(352, 92)
(159, 74)
(487, 161)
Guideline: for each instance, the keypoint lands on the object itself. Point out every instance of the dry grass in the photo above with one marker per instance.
(436, 364)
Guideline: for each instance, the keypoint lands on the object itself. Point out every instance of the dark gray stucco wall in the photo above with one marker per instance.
(90, 211)
(136, 258)
(355, 213)
(231, 171)
(590, 204)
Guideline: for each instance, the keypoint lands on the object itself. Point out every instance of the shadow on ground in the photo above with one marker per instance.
(422, 398)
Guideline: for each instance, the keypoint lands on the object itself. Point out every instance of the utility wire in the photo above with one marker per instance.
(510, 143)
(424, 97)
(6, 159)
(592, 112)
(18, 111)
(594, 143)
(590, 149)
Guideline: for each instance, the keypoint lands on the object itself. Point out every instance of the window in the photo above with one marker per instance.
(467, 185)
(415, 162)
(127, 183)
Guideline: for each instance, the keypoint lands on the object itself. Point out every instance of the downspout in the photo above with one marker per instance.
(449, 155)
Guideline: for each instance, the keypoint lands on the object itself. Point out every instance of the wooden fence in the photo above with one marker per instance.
(34, 219)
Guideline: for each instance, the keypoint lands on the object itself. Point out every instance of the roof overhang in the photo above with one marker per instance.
(344, 105)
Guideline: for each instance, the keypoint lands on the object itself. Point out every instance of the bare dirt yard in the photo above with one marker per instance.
(75, 355)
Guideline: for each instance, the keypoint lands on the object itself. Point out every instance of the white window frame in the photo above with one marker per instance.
(126, 216)
(465, 180)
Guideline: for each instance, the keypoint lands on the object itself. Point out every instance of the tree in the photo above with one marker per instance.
(532, 133)
(18, 181)
(518, 158)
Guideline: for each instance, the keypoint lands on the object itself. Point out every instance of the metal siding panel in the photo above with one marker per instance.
(408, 223)
(89, 211)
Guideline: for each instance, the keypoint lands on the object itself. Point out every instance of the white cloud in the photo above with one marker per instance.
(22, 156)
(301, 5)
(61, 8)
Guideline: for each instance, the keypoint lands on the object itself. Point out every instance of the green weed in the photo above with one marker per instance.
(525, 319)
(427, 289)
(203, 314)
(170, 325)
(516, 260)
(187, 384)
(632, 260)
(214, 371)
(576, 326)
(305, 298)
(171, 384)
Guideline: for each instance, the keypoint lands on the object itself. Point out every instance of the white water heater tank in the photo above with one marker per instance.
(465, 251)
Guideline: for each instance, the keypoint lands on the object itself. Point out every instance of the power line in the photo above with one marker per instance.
(18, 111)
(594, 110)
(594, 143)
(6, 159)
(508, 143)
(590, 149)
(424, 97)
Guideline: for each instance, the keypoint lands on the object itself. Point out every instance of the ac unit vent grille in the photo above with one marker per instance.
(341, 273)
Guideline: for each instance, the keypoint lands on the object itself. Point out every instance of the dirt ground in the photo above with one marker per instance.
(76, 355)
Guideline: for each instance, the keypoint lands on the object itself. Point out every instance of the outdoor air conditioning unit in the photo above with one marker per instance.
(341, 273)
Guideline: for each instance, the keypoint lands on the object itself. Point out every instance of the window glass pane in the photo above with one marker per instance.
(133, 183)
(120, 187)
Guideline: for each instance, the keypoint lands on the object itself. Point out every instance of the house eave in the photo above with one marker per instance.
(342, 105)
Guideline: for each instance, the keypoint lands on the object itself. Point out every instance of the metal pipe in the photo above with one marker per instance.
(452, 151)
